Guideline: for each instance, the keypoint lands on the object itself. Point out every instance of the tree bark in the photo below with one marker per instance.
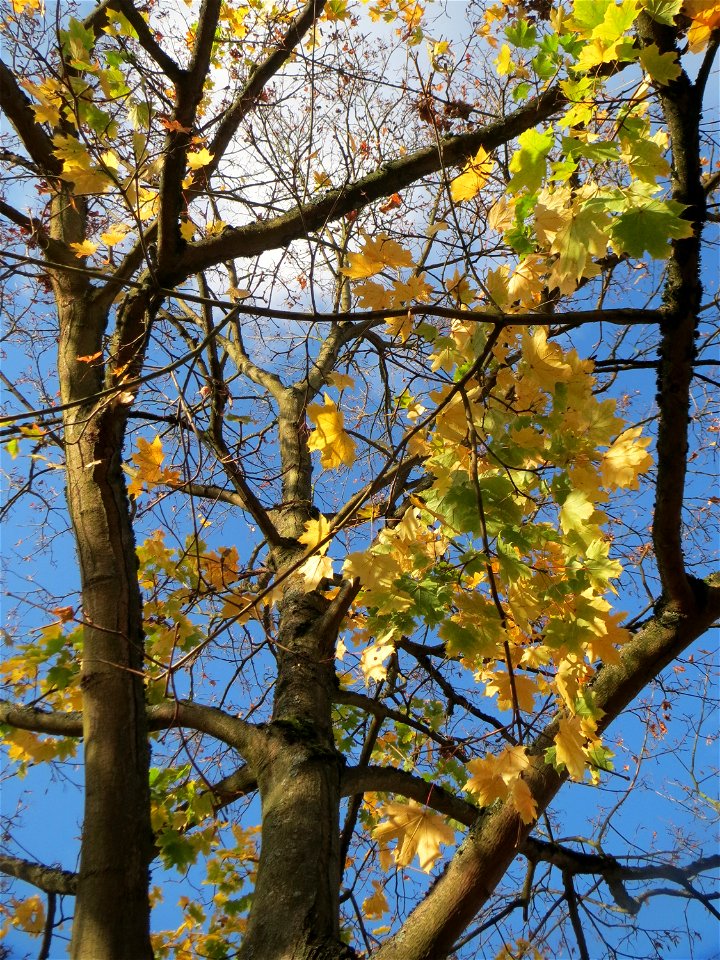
(116, 837)
(295, 909)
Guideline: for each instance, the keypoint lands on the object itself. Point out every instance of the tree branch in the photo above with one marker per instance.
(254, 238)
(248, 739)
(614, 873)
(49, 879)
(357, 780)
(17, 107)
(259, 77)
(493, 842)
(377, 709)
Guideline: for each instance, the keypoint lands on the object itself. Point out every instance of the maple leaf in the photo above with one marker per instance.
(400, 327)
(492, 775)
(341, 381)
(376, 253)
(148, 471)
(581, 238)
(116, 234)
(85, 249)
(30, 915)
(664, 11)
(375, 906)
(626, 459)
(473, 178)
(315, 569)
(416, 830)
(329, 437)
(187, 230)
(315, 531)
(524, 801)
(575, 512)
(499, 683)
(705, 16)
(569, 743)
(373, 296)
(201, 158)
(649, 227)
(607, 638)
(504, 62)
(643, 152)
(529, 163)
(391, 203)
(372, 660)
(662, 67)
(544, 360)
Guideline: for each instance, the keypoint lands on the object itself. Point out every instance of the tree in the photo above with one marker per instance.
(343, 326)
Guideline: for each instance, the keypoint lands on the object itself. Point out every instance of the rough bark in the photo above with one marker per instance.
(295, 909)
(116, 835)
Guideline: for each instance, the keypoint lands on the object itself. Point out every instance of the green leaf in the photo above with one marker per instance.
(662, 67)
(650, 227)
(13, 447)
(521, 34)
(663, 11)
(588, 14)
(599, 757)
(603, 150)
(481, 641)
(77, 41)
(529, 163)
(176, 850)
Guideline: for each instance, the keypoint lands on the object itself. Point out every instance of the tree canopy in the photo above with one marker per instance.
(359, 438)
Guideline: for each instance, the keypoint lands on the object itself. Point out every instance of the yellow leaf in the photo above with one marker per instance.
(524, 801)
(376, 253)
(662, 67)
(502, 214)
(375, 906)
(372, 660)
(626, 459)
(85, 249)
(315, 531)
(416, 830)
(705, 16)
(199, 159)
(435, 228)
(503, 62)
(47, 113)
(575, 512)
(187, 230)
(499, 683)
(116, 234)
(473, 178)
(373, 296)
(148, 471)
(569, 743)
(329, 437)
(314, 570)
(321, 179)
(492, 776)
(110, 161)
(400, 327)
(30, 915)
(340, 381)
(87, 182)
(31, 6)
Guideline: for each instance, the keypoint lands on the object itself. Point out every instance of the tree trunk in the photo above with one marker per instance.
(295, 911)
(112, 908)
